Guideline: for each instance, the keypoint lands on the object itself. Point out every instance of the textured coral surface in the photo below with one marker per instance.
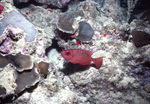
(34, 72)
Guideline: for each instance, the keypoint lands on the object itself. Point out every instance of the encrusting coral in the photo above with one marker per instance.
(26, 79)
(67, 20)
(22, 62)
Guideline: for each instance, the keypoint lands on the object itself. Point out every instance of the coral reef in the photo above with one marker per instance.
(2, 91)
(17, 20)
(66, 22)
(43, 68)
(21, 1)
(32, 69)
(85, 31)
(53, 3)
(146, 16)
(24, 82)
(22, 62)
(140, 38)
(57, 3)
(4, 61)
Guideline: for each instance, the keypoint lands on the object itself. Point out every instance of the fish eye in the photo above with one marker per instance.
(67, 53)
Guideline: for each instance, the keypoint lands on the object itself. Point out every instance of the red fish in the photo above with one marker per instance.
(82, 57)
(1, 9)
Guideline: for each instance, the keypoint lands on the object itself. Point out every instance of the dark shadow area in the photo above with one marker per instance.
(30, 90)
(64, 9)
(146, 64)
(59, 35)
(23, 5)
(140, 7)
(54, 45)
(63, 35)
(125, 35)
(10, 98)
(7, 99)
(70, 68)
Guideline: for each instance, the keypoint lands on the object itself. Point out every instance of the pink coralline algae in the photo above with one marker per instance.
(6, 46)
(1, 9)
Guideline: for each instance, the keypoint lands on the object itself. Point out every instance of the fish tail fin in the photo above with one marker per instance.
(98, 62)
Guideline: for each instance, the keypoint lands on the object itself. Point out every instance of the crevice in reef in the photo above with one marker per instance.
(146, 64)
(23, 5)
(10, 98)
(30, 90)
(7, 99)
(53, 46)
(63, 35)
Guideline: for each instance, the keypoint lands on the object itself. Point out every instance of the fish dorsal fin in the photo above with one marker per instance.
(88, 52)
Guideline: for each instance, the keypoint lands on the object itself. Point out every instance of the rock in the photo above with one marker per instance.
(85, 31)
(91, 9)
(13, 36)
(4, 60)
(20, 1)
(140, 38)
(7, 80)
(57, 3)
(17, 20)
(22, 62)
(100, 2)
(147, 88)
(138, 8)
(64, 95)
(43, 68)
(66, 21)
(146, 16)
(12, 39)
(26, 79)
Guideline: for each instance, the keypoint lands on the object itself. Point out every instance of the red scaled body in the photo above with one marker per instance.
(82, 57)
